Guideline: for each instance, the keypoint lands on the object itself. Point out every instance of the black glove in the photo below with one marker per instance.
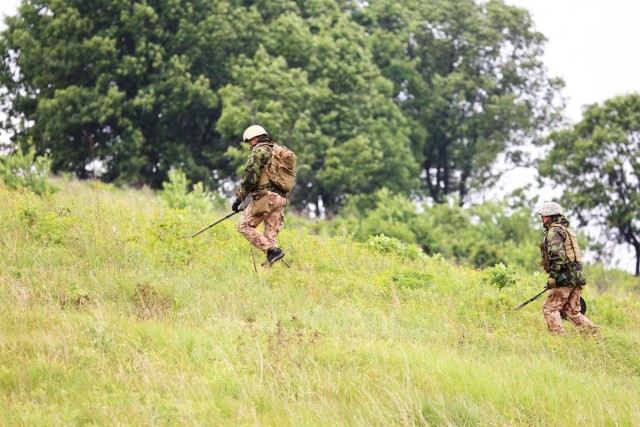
(236, 205)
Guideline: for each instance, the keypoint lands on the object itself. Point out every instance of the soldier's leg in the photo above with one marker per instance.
(274, 222)
(247, 228)
(556, 300)
(572, 310)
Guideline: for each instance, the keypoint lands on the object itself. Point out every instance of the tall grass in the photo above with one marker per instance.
(117, 319)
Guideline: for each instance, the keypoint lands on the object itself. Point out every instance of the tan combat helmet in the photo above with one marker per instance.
(252, 132)
(550, 209)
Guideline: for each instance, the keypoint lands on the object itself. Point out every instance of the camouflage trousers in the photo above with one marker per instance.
(565, 300)
(273, 220)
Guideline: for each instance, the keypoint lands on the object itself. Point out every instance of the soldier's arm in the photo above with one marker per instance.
(555, 249)
(251, 176)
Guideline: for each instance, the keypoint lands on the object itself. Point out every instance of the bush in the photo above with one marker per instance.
(382, 212)
(501, 276)
(176, 194)
(484, 254)
(20, 170)
(391, 245)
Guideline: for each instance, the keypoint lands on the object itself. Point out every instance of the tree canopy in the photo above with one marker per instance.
(419, 97)
(139, 77)
(470, 79)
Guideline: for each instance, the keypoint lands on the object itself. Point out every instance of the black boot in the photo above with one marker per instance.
(274, 255)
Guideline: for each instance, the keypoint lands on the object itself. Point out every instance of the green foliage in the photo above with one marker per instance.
(482, 236)
(168, 242)
(505, 234)
(319, 93)
(611, 279)
(597, 163)
(176, 194)
(390, 245)
(140, 79)
(469, 77)
(26, 170)
(412, 279)
(420, 98)
(379, 213)
(48, 227)
(500, 276)
(45, 226)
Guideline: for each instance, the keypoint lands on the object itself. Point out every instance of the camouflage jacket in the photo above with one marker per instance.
(560, 267)
(254, 168)
(258, 159)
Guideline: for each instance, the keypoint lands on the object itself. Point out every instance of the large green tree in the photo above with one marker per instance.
(597, 163)
(420, 97)
(158, 84)
(138, 77)
(470, 78)
(315, 87)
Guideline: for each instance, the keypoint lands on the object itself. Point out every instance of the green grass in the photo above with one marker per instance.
(109, 317)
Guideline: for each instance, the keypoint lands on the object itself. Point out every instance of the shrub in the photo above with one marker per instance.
(500, 275)
(20, 170)
(176, 194)
(391, 245)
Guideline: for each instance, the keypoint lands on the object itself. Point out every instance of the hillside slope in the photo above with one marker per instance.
(109, 316)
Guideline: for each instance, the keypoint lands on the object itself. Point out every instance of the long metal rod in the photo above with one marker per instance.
(531, 300)
(211, 225)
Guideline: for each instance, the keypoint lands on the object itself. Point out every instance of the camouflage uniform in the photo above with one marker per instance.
(272, 213)
(566, 269)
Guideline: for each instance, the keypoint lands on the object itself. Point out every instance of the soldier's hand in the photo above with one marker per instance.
(236, 205)
(551, 283)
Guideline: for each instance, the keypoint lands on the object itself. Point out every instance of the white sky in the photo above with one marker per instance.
(592, 44)
(8, 7)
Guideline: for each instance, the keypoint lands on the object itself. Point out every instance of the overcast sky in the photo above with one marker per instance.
(592, 45)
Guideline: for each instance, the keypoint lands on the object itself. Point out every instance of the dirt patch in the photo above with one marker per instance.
(150, 303)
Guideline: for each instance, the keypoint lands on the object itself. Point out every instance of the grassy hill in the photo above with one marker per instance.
(109, 317)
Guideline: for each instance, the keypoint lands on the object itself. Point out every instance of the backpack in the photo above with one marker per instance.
(281, 168)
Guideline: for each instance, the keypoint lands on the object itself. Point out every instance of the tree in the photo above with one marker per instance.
(314, 86)
(163, 84)
(419, 97)
(597, 162)
(469, 77)
(138, 77)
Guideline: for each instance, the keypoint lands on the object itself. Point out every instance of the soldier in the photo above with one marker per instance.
(268, 198)
(561, 258)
